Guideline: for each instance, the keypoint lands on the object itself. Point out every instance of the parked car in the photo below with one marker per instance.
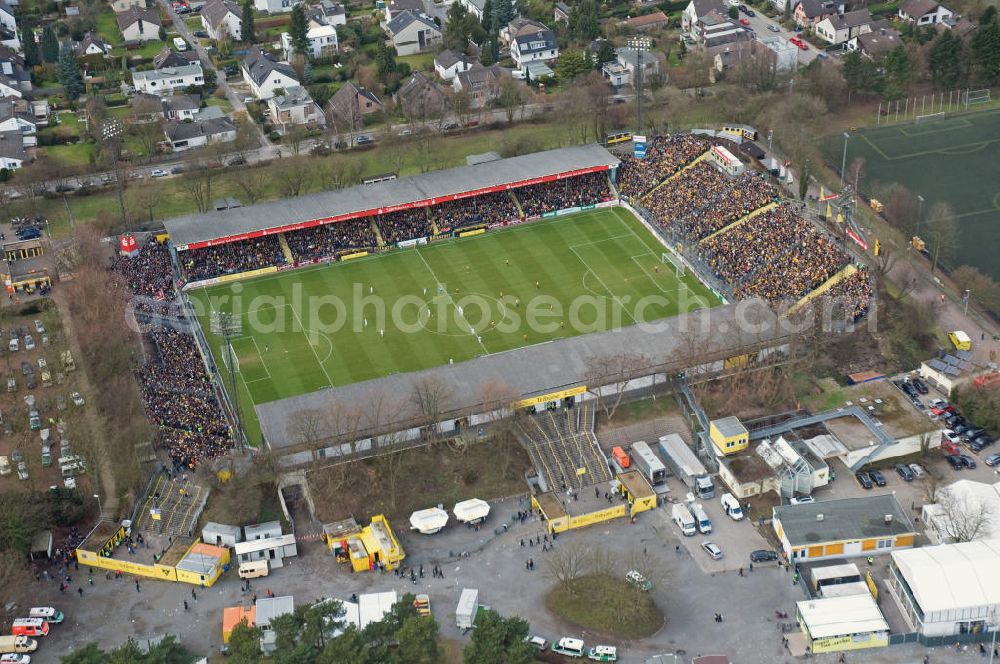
(877, 477)
(27, 369)
(801, 500)
(159, 173)
(76, 398)
(537, 641)
(917, 470)
(967, 461)
(773, 28)
(712, 550)
(942, 410)
(904, 471)
(39, 327)
(954, 461)
(981, 443)
(637, 580)
(15, 658)
(920, 385)
(992, 459)
(364, 139)
(973, 433)
(950, 436)
(744, 21)
(762, 556)
(863, 480)
(29, 342)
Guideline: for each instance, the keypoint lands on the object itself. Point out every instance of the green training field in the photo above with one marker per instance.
(953, 160)
(449, 301)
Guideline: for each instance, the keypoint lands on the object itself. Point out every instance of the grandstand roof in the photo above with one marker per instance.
(531, 370)
(218, 227)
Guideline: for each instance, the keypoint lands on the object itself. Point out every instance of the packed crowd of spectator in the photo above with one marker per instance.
(179, 398)
(232, 257)
(148, 273)
(326, 240)
(404, 225)
(494, 208)
(705, 200)
(665, 155)
(576, 191)
(853, 294)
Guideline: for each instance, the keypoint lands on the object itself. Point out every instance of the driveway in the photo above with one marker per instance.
(760, 23)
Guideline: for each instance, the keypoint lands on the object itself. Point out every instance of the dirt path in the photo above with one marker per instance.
(109, 497)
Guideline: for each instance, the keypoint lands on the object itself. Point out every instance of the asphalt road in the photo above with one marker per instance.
(760, 23)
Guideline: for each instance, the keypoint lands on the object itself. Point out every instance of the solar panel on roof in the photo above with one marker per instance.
(952, 371)
(963, 354)
(937, 364)
(952, 360)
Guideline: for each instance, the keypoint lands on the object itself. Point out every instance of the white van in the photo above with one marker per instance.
(681, 515)
(731, 506)
(46, 613)
(180, 44)
(568, 646)
(4, 466)
(254, 569)
(701, 519)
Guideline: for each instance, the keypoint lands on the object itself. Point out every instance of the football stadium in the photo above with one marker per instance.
(518, 271)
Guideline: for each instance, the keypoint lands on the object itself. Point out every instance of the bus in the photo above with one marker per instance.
(619, 137)
(745, 132)
(649, 464)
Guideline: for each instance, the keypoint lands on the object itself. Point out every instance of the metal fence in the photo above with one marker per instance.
(955, 640)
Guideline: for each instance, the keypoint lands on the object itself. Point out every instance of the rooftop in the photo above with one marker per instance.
(951, 577)
(269, 608)
(841, 616)
(730, 426)
(844, 519)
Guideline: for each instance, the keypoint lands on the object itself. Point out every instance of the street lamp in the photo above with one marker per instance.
(843, 161)
(965, 299)
(640, 45)
(100, 509)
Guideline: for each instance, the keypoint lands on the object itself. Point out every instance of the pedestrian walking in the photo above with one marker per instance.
(193, 596)
(526, 565)
(80, 590)
(185, 605)
(751, 567)
(741, 571)
(137, 587)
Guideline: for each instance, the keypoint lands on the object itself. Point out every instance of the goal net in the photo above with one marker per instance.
(977, 97)
(670, 259)
(930, 117)
(229, 354)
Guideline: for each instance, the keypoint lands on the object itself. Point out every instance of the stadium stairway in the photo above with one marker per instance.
(285, 249)
(377, 232)
(698, 159)
(844, 273)
(739, 222)
(614, 188)
(517, 204)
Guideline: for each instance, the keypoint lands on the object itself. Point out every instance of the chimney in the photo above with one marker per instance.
(819, 517)
(882, 30)
(888, 519)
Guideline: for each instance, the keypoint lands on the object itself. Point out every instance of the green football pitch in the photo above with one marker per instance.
(443, 302)
(954, 160)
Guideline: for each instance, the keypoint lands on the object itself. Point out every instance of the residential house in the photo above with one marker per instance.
(962, 27)
(15, 79)
(264, 75)
(120, 6)
(275, 6)
(12, 152)
(10, 87)
(875, 44)
(412, 32)
(180, 107)
(138, 24)
(714, 29)
(786, 54)
(165, 81)
(15, 115)
(726, 56)
(448, 63)
(530, 41)
(481, 83)
(322, 42)
(923, 12)
(294, 108)
(622, 70)
(840, 28)
(808, 13)
(93, 45)
(221, 18)
(8, 27)
(397, 7)
(351, 103)
(420, 97)
(187, 135)
(326, 12)
(561, 12)
(699, 8)
(647, 22)
(168, 57)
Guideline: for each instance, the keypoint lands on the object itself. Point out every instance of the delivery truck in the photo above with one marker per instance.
(12, 643)
(681, 515)
(649, 464)
(468, 605)
(684, 463)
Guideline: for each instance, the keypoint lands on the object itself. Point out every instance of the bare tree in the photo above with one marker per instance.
(309, 426)
(942, 233)
(430, 396)
(567, 563)
(390, 462)
(294, 138)
(963, 518)
(496, 398)
(294, 176)
(510, 97)
(615, 371)
(198, 181)
(252, 182)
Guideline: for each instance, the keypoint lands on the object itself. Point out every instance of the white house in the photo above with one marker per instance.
(875, 44)
(322, 41)
(923, 12)
(119, 6)
(530, 41)
(475, 7)
(412, 32)
(786, 54)
(180, 107)
(93, 45)
(481, 83)
(8, 27)
(165, 81)
(275, 6)
(187, 135)
(840, 28)
(295, 107)
(14, 116)
(621, 71)
(138, 24)
(221, 18)
(448, 64)
(397, 7)
(699, 8)
(264, 75)
(12, 153)
(326, 12)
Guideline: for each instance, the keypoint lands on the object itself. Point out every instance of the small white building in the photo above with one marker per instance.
(93, 45)
(849, 622)
(220, 534)
(12, 152)
(923, 12)
(169, 79)
(448, 64)
(293, 108)
(264, 75)
(530, 41)
(840, 28)
(8, 27)
(963, 510)
(139, 24)
(200, 132)
(222, 18)
(326, 12)
(265, 611)
(275, 6)
(265, 542)
(786, 54)
(413, 32)
(948, 589)
(16, 116)
(322, 42)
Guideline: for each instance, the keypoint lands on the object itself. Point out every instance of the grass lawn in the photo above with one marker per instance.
(419, 61)
(107, 28)
(70, 154)
(194, 23)
(495, 283)
(147, 50)
(221, 102)
(606, 605)
(951, 160)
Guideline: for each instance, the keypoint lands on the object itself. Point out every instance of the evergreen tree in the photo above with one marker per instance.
(986, 49)
(861, 74)
(50, 45)
(385, 61)
(486, 57)
(488, 18)
(69, 75)
(308, 75)
(499, 640)
(31, 56)
(460, 27)
(571, 63)
(945, 60)
(503, 13)
(897, 72)
(248, 29)
(298, 29)
(583, 21)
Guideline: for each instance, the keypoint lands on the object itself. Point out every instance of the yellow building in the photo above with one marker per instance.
(637, 492)
(365, 548)
(628, 496)
(836, 624)
(729, 435)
